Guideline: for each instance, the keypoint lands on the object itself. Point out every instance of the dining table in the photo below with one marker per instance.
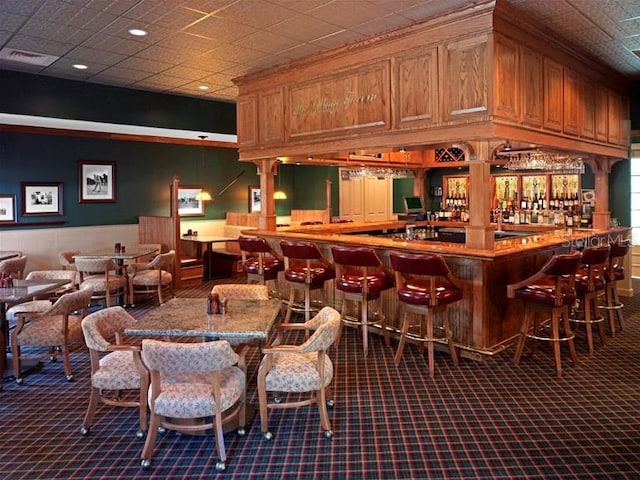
(20, 291)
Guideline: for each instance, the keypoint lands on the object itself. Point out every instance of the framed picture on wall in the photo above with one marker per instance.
(97, 182)
(41, 198)
(189, 203)
(7, 208)
(255, 199)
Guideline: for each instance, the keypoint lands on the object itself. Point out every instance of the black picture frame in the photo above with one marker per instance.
(42, 199)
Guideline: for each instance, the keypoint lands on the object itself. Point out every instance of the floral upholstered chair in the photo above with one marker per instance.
(14, 267)
(242, 291)
(300, 368)
(102, 274)
(115, 366)
(59, 326)
(205, 381)
(41, 304)
(152, 277)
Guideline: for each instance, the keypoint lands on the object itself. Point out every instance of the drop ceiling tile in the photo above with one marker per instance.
(121, 75)
(92, 55)
(265, 42)
(11, 22)
(345, 14)
(164, 81)
(115, 7)
(206, 6)
(24, 8)
(236, 53)
(244, 12)
(144, 64)
(301, 50)
(109, 43)
(388, 22)
(56, 32)
(220, 29)
(303, 6)
(337, 39)
(304, 29)
(39, 45)
(185, 42)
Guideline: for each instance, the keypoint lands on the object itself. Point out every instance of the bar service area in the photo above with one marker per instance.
(500, 169)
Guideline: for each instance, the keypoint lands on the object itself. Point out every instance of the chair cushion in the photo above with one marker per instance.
(416, 291)
(544, 292)
(117, 371)
(295, 372)
(47, 331)
(195, 400)
(270, 265)
(319, 273)
(99, 282)
(351, 281)
(32, 306)
(150, 278)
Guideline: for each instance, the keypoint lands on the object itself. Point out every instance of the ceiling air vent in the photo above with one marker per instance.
(25, 56)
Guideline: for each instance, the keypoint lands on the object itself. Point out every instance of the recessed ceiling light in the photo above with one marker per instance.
(80, 66)
(203, 87)
(138, 32)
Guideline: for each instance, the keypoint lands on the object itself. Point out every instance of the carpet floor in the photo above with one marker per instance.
(490, 420)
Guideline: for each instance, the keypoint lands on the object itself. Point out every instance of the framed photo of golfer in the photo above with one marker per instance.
(97, 182)
(41, 198)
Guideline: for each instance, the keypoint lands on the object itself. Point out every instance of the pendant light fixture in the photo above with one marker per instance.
(203, 195)
(279, 193)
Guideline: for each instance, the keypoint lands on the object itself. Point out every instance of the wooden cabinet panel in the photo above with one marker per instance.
(588, 101)
(571, 110)
(377, 199)
(351, 199)
(553, 101)
(615, 119)
(602, 113)
(416, 77)
(464, 79)
(272, 116)
(531, 78)
(247, 122)
(505, 82)
(342, 103)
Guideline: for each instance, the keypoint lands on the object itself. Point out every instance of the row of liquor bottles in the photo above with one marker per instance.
(559, 201)
(572, 217)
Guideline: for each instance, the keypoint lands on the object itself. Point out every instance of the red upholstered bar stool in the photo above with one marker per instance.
(614, 272)
(361, 276)
(425, 286)
(306, 269)
(259, 261)
(590, 286)
(550, 290)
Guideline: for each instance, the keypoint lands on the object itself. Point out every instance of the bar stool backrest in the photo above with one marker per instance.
(595, 255)
(412, 264)
(254, 244)
(300, 250)
(356, 257)
(563, 264)
(619, 250)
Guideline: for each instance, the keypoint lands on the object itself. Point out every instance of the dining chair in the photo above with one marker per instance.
(14, 267)
(57, 327)
(152, 277)
(68, 262)
(115, 366)
(43, 303)
(101, 274)
(204, 381)
(296, 369)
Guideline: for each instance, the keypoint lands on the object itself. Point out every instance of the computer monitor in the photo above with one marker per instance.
(413, 205)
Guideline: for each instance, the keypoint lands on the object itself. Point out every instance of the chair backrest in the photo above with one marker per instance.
(419, 264)
(242, 291)
(619, 249)
(562, 264)
(67, 262)
(71, 302)
(598, 255)
(254, 244)
(69, 275)
(164, 261)
(326, 324)
(99, 327)
(356, 257)
(176, 358)
(300, 250)
(14, 267)
(95, 265)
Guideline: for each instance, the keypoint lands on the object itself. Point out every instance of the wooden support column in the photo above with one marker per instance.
(479, 232)
(601, 216)
(329, 212)
(266, 170)
(419, 175)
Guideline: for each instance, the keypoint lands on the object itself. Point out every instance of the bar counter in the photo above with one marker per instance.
(485, 322)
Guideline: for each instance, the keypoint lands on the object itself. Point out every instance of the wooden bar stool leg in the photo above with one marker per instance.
(569, 334)
(403, 335)
(587, 307)
(343, 313)
(536, 331)
(555, 340)
(430, 342)
(524, 329)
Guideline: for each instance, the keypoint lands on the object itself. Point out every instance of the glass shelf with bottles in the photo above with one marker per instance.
(454, 206)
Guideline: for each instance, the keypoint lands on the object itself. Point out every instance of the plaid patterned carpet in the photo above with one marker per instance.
(479, 420)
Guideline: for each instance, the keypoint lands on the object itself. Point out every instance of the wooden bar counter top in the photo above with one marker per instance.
(485, 322)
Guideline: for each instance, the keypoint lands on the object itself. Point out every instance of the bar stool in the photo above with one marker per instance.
(425, 286)
(361, 276)
(259, 261)
(590, 285)
(306, 269)
(614, 272)
(552, 289)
